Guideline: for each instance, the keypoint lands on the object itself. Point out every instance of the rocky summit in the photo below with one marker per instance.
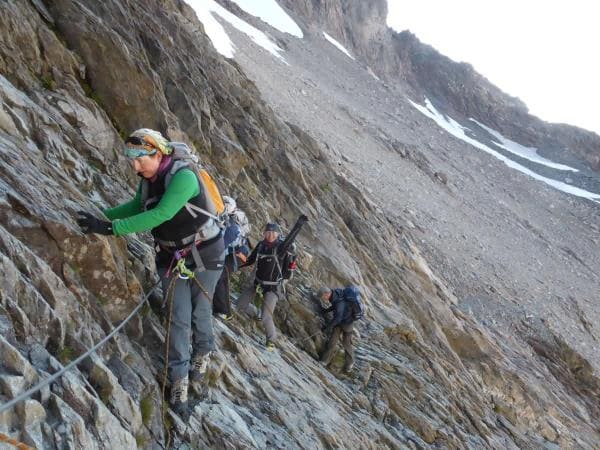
(470, 226)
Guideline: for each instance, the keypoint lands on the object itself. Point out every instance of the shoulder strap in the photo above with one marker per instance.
(178, 164)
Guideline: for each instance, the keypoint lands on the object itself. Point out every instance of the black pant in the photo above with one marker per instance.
(222, 298)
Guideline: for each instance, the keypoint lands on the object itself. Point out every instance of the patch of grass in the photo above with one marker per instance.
(146, 408)
(145, 310)
(122, 132)
(66, 354)
(105, 393)
(90, 92)
(141, 440)
(235, 283)
(48, 82)
(96, 165)
(325, 187)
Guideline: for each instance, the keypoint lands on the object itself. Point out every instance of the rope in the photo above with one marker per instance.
(72, 364)
(306, 338)
(14, 442)
(166, 368)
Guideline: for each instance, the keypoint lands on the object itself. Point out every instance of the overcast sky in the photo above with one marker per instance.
(547, 53)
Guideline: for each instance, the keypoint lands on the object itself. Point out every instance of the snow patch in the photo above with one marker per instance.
(273, 14)
(457, 130)
(372, 73)
(338, 45)
(206, 10)
(529, 153)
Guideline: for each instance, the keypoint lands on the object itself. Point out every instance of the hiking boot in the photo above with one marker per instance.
(179, 396)
(348, 367)
(270, 345)
(199, 366)
(226, 317)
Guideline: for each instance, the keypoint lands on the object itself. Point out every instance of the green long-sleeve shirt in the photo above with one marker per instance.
(129, 217)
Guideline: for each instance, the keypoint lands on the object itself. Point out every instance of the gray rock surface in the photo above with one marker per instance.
(76, 76)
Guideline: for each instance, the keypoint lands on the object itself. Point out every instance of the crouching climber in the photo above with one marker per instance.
(347, 308)
(177, 204)
(274, 262)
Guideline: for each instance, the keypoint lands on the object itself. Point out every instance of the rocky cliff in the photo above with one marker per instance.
(76, 77)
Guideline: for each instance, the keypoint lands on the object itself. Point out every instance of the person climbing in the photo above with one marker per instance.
(347, 308)
(237, 248)
(172, 201)
(273, 259)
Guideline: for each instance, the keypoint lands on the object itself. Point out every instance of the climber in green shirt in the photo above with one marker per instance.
(171, 202)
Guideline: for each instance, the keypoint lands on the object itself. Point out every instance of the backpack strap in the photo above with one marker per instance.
(186, 163)
(191, 208)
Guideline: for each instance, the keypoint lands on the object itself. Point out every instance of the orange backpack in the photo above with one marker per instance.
(183, 157)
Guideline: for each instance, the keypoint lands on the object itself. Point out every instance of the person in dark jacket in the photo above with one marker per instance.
(341, 324)
(168, 189)
(267, 257)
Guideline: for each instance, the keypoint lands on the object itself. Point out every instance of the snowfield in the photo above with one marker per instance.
(206, 11)
(457, 130)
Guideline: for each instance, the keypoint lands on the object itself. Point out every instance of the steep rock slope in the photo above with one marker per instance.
(76, 77)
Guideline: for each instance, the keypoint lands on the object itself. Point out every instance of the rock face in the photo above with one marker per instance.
(76, 77)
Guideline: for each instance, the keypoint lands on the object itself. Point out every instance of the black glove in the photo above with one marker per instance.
(90, 224)
(302, 219)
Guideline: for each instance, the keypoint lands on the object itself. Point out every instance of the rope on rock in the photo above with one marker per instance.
(73, 363)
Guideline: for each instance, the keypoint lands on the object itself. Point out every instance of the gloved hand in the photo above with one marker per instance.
(90, 224)
(302, 219)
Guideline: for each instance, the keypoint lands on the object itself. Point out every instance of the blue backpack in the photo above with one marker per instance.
(352, 295)
(232, 236)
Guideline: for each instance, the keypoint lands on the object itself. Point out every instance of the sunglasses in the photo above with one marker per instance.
(133, 153)
(146, 149)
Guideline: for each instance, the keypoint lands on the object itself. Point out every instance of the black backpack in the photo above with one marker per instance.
(352, 295)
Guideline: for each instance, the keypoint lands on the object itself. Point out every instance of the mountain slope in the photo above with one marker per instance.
(76, 77)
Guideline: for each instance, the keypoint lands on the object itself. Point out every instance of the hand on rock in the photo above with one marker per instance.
(90, 224)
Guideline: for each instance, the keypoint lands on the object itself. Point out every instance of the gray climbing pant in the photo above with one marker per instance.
(192, 315)
(245, 304)
(347, 331)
